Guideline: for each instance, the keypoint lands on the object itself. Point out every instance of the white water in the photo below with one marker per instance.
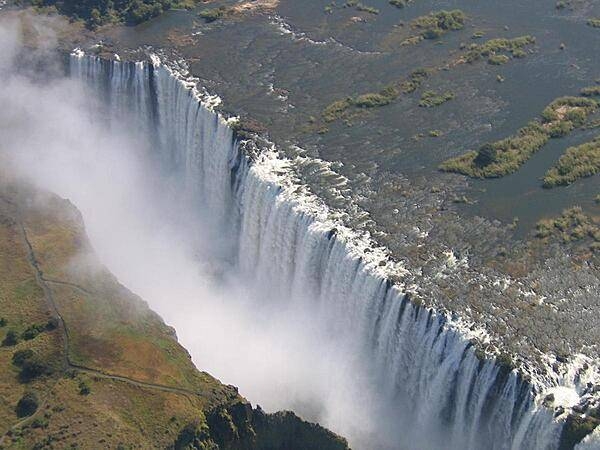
(316, 327)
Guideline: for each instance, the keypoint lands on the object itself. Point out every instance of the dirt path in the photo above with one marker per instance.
(66, 361)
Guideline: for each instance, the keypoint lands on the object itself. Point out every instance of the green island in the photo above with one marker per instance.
(430, 99)
(341, 108)
(500, 50)
(506, 156)
(577, 162)
(572, 226)
(436, 24)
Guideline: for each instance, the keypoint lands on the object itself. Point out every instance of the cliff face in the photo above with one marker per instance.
(85, 362)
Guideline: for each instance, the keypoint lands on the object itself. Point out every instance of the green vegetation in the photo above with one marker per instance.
(414, 81)
(367, 9)
(508, 155)
(31, 366)
(578, 427)
(11, 338)
(112, 337)
(438, 23)
(213, 14)
(28, 405)
(570, 227)
(499, 49)
(84, 388)
(100, 12)
(400, 3)
(3, 322)
(498, 60)
(577, 162)
(382, 98)
(430, 99)
(592, 91)
(594, 22)
(33, 330)
(341, 108)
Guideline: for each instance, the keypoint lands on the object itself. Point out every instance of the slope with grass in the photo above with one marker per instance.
(85, 362)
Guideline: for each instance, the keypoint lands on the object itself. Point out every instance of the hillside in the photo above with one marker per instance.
(86, 364)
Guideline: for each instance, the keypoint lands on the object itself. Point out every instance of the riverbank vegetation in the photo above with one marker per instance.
(96, 13)
(577, 162)
(400, 3)
(506, 156)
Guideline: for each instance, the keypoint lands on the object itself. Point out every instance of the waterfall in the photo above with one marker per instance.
(437, 392)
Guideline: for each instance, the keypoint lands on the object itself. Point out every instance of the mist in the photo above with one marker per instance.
(151, 234)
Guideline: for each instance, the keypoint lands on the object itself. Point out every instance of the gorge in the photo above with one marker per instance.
(400, 374)
(300, 243)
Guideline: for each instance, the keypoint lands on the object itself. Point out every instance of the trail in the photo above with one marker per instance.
(67, 364)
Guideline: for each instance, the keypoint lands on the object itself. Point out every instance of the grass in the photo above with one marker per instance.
(577, 162)
(33, 365)
(506, 156)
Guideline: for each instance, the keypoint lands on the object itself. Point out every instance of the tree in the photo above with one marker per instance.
(27, 405)
(486, 155)
(10, 339)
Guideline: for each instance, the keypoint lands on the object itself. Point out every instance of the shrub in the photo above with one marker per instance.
(437, 23)
(39, 422)
(27, 405)
(592, 91)
(595, 23)
(498, 60)
(494, 47)
(367, 9)
(429, 99)
(31, 365)
(84, 388)
(20, 356)
(213, 14)
(400, 3)
(11, 338)
(3, 322)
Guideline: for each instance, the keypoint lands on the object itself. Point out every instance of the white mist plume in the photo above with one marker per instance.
(148, 234)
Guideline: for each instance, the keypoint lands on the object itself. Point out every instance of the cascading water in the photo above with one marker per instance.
(435, 391)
